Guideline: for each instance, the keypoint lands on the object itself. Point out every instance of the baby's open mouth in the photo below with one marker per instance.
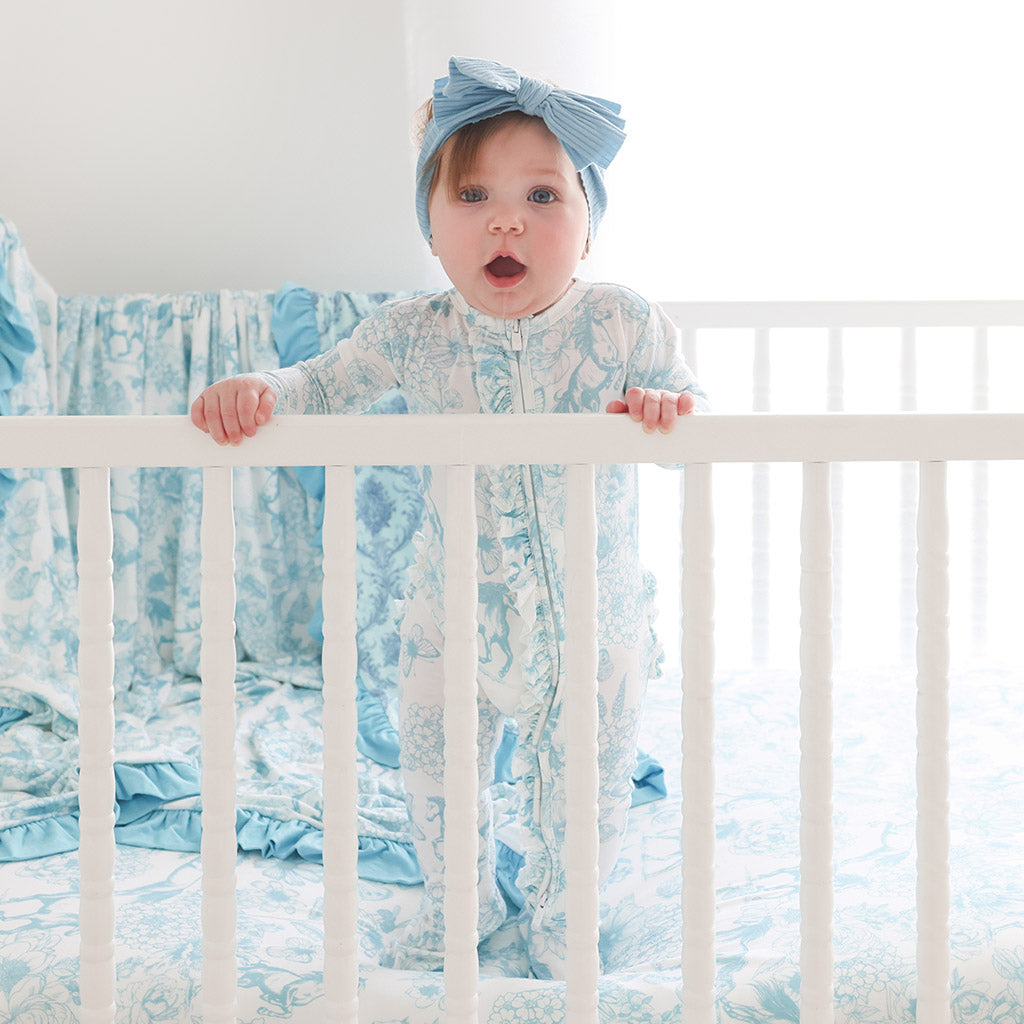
(505, 266)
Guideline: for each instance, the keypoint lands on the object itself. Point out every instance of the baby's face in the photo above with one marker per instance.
(511, 241)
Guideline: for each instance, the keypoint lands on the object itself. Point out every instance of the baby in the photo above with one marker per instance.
(509, 195)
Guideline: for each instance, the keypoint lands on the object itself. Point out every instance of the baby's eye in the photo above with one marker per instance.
(542, 196)
(472, 195)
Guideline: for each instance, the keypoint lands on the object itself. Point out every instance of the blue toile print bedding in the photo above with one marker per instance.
(280, 901)
(149, 354)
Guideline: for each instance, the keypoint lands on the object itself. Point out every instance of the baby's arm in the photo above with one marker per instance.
(655, 409)
(234, 408)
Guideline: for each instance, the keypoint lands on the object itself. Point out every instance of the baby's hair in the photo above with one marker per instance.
(455, 159)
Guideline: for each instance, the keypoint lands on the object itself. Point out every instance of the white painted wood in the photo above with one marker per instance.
(760, 522)
(835, 371)
(979, 504)
(980, 375)
(979, 557)
(836, 403)
(816, 825)
(908, 499)
(908, 369)
(582, 838)
(698, 748)
(340, 719)
(933, 835)
(97, 981)
(761, 383)
(585, 438)
(461, 778)
(217, 666)
(688, 343)
(930, 313)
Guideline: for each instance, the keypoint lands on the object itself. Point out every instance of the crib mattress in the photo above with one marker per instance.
(757, 876)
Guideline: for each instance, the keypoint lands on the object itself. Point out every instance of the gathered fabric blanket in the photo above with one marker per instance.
(151, 355)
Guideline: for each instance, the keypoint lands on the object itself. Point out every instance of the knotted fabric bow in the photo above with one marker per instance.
(589, 128)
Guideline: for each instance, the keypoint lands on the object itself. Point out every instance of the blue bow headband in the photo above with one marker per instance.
(589, 128)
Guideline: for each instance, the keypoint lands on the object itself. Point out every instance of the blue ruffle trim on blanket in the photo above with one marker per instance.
(17, 343)
(379, 860)
(138, 789)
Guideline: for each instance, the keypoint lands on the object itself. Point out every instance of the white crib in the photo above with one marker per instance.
(819, 442)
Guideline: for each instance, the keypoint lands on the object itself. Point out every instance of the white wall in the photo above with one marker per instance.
(205, 144)
(783, 149)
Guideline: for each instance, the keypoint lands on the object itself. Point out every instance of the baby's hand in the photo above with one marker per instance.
(233, 408)
(655, 409)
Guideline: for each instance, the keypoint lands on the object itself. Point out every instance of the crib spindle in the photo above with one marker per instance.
(908, 490)
(979, 504)
(760, 526)
(219, 841)
(816, 827)
(933, 836)
(836, 402)
(698, 747)
(582, 837)
(461, 778)
(340, 659)
(97, 978)
(688, 343)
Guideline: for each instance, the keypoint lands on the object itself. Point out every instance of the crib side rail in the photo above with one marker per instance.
(579, 439)
(928, 439)
(924, 313)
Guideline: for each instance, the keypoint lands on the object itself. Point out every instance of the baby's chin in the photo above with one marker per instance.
(516, 302)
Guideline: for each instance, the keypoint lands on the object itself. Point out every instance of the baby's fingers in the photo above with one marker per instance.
(658, 411)
(655, 409)
(666, 408)
(198, 414)
(206, 415)
(231, 410)
(254, 408)
(221, 417)
(265, 409)
(635, 400)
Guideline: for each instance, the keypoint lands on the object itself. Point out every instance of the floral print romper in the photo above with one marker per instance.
(586, 350)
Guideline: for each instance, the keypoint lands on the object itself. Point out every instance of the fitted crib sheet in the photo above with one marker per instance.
(280, 901)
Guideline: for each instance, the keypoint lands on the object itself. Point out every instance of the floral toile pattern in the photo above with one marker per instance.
(280, 901)
(151, 354)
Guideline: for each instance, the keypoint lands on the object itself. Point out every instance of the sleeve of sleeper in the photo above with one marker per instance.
(656, 361)
(346, 379)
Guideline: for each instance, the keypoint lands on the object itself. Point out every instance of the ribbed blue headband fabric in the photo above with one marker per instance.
(589, 128)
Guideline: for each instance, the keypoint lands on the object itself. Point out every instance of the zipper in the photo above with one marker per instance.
(515, 337)
(517, 332)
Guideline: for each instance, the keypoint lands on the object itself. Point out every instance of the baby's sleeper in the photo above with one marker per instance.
(577, 356)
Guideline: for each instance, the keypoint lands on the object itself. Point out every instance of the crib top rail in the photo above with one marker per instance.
(925, 313)
(160, 441)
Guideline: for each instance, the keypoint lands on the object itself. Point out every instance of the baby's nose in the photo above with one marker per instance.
(506, 219)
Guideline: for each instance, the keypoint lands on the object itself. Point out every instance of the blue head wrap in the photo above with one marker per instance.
(589, 128)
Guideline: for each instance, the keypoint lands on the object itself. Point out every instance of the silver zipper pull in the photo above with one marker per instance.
(516, 336)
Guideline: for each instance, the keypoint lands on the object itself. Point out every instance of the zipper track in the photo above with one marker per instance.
(518, 338)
